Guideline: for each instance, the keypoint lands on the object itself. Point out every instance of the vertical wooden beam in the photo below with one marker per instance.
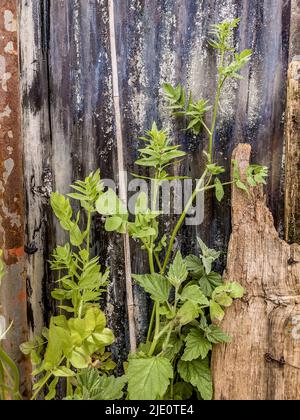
(292, 178)
(263, 359)
(13, 293)
(122, 174)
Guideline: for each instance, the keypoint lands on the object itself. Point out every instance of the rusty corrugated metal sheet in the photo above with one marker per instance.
(68, 115)
(13, 295)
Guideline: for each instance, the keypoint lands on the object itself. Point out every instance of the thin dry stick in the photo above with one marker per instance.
(122, 173)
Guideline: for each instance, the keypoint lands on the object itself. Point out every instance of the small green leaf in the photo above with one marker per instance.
(216, 311)
(63, 372)
(188, 313)
(219, 190)
(194, 294)
(113, 224)
(178, 271)
(215, 335)
(197, 372)
(148, 378)
(196, 346)
(156, 285)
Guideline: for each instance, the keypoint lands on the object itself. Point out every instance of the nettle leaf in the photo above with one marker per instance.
(215, 335)
(174, 347)
(187, 313)
(208, 257)
(178, 271)
(194, 294)
(194, 265)
(225, 294)
(216, 311)
(148, 378)
(209, 282)
(196, 346)
(182, 391)
(219, 190)
(197, 372)
(156, 285)
(93, 386)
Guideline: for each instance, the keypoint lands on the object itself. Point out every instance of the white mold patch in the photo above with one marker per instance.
(10, 23)
(9, 166)
(9, 48)
(4, 76)
(6, 113)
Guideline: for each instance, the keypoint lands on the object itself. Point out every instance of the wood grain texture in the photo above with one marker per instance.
(69, 126)
(262, 362)
(292, 166)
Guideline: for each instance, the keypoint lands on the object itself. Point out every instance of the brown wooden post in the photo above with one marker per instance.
(13, 292)
(263, 360)
(292, 176)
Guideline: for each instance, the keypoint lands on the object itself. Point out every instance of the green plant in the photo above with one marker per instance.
(9, 373)
(188, 297)
(78, 341)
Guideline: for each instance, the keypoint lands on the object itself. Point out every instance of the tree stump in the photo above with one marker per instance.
(263, 360)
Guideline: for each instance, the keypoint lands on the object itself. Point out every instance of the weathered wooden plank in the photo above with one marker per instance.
(263, 359)
(69, 130)
(69, 115)
(167, 41)
(13, 290)
(292, 166)
(37, 157)
(292, 133)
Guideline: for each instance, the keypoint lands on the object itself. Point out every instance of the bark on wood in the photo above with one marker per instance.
(263, 360)
(292, 175)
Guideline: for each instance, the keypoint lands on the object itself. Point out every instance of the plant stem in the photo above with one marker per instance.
(221, 80)
(88, 229)
(44, 382)
(181, 220)
(69, 385)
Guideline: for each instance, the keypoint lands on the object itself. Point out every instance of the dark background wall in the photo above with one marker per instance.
(69, 116)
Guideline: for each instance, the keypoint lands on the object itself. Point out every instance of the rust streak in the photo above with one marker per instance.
(13, 297)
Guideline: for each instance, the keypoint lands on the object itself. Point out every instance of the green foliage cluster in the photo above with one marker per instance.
(76, 339)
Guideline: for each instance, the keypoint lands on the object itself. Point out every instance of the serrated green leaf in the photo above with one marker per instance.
(197, 372)
(209, 282)
(195, 265)
(196, 346)
(215, 335)
(216, 311)
(195, 295)
(182, 391)
(188, 313)
(178, 271)
(156, 285)
(148, 378)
